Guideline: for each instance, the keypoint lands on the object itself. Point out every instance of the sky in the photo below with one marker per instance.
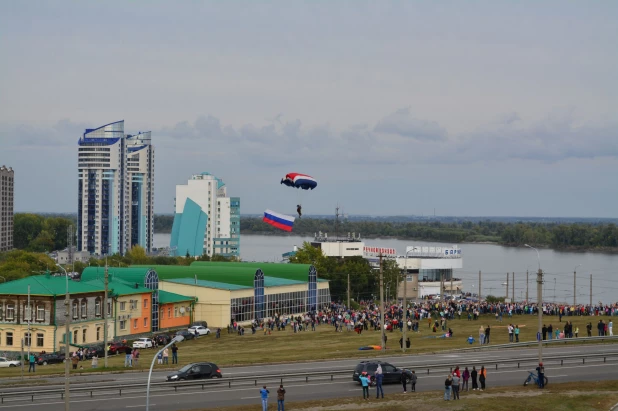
(479, 108)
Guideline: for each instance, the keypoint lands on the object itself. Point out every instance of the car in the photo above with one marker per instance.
(117, 348)
(144, 342)
(391, 373)
(199, 330)
(90, 352)
(186, 334)
(5, 363)
(162, 339)
(51, 358)
(198, 370)
(202, 323)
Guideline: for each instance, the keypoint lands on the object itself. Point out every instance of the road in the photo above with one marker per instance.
(322, 387)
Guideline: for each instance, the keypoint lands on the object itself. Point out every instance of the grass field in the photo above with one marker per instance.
(325, 343)
(580, 396)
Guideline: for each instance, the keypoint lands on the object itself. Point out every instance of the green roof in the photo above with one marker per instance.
(46, 285)
(298, 272)
(118, 287)
(165, 297)
(129, 275)
(226, 275)
(208, 284)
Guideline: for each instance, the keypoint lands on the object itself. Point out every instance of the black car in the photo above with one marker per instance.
(391, 373)
(186, 334)
(51, 358)
(89, 352)
(162, 339)
(198, 370)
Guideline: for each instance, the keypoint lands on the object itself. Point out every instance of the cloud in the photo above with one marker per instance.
(63, 133)
(404, 124)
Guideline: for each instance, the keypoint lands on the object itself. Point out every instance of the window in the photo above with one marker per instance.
(75, 310)
(123, 324)
(40, 340)
(10, 313)
(175, 312)
(9, 338)
(145, 322)
(84, 309)
(135, 324)
(109, 308)
(169, 312)
(84, 332)
(97, 308)
(27, 339)
(145, 303)
(133, 304)
(98, 333)
(75, 335)
(123, 306)
(40, 313)
(27, 312)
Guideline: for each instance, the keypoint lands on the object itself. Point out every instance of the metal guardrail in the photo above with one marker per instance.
(613, 338)
(297, 377)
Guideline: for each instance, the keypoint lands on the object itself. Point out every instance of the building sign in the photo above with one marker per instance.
(375, 251)
(434, 252)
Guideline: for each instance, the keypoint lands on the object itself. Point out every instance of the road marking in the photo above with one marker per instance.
(141, 405)
(249, 398)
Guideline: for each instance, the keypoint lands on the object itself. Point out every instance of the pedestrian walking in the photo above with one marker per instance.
(264, 395)
(447, 387)
(482, 377)
(280, 398)
(455, 386)
(473, 375)
(32, 360)
(174, 354)
(466, 377)
(364, 378)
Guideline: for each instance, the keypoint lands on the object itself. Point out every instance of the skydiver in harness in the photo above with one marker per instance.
(299, 210)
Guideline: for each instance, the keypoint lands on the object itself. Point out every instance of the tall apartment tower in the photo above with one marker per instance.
(206, 220)
(114, 213)
(6, 208)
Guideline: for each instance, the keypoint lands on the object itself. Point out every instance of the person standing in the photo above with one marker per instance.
(280, 398)
(365, 383)
(589, 329)
(32, 360)
(135, 356)
(466, 377)
(264, 395)
(473, 375)
(516, 333)
(95, 361)
(447, 387)
(174, 354)
(455, 386)
(541, 375)
(128, 357)
(487, 330)
(510, 329)
(481, 335)
(544, 331)
(404, 382)
(166, 355)
(610, 327)
(379, 379)
(483, 377)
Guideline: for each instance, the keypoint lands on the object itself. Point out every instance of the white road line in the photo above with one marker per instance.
(141, 405)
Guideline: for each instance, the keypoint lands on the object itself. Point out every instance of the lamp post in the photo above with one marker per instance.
(574, 284)
(67, 358)
(539, 297)
(176, 339)
(405, 295)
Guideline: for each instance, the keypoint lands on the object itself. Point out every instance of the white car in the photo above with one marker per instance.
(5, 362)
(142, 343)
(199, 330)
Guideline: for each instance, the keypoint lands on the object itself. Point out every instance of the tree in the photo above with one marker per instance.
(308, 254)
(18, 264)
(137, 255)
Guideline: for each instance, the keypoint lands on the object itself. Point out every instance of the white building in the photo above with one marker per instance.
(206, 220)
(115, 204)
(7, 176)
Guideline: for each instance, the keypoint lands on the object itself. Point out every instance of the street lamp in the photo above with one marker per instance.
(405, 295)
(67, 357)
(539, 296)
(176, 339)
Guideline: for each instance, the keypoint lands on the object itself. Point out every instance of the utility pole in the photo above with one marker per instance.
(527, 287)
(29, 314)
(105, 305)
(480, 289)
(539, 297)
(591, 291)
(67, 339)
(405, 306)
(348, 290)
(382, 304)
(513, 285)
(507, 286)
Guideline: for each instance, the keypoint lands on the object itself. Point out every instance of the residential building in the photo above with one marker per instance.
(115, 190)
(42, 323)
(176, 310)
(206, 220)
(7, 176)
(62, 256)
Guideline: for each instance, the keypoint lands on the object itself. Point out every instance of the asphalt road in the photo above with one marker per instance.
(322, 387)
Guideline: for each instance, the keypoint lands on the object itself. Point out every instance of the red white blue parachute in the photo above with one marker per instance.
(297, 180)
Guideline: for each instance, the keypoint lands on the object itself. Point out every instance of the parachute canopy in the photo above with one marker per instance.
(281, 221)
(299, 181)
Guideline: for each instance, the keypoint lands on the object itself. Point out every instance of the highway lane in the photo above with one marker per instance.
(299, 391)
(413, 360)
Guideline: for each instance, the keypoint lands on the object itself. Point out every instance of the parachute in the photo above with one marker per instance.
(297, 180)
(278, 220)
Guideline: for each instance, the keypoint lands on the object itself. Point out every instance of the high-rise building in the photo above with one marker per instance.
(6, 208)
(206, 220)
(115, 190)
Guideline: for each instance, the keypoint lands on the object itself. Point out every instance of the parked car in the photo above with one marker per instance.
(186, 334)
(195, 371)
(162, 339)
(199, 330)
(202, 323)
(5, 363)
(391, 373)
(50, 358)
(118, 348)
(89, 352)
(142, 343)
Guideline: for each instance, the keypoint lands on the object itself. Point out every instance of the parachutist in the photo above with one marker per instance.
(299, 210)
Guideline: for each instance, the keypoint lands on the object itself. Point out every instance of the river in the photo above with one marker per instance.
(493, 261)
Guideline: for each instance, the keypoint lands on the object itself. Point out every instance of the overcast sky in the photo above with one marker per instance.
(472, 108)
